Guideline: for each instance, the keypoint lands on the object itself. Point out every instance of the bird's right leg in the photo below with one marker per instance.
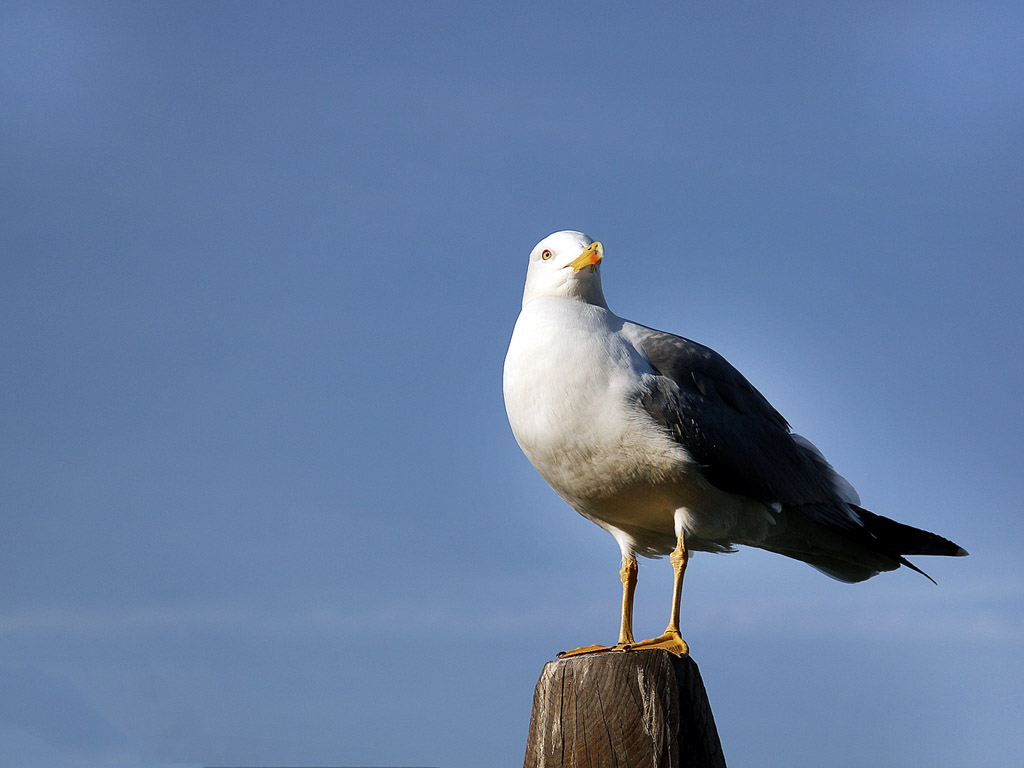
(627, 574)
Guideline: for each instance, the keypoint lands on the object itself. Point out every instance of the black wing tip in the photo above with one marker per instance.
(906, 539)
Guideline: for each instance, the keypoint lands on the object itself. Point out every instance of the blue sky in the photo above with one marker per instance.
(261, 505)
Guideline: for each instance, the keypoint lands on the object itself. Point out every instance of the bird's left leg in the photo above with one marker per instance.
(671, 640)
(628, 576)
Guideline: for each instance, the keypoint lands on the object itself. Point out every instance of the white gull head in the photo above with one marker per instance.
(566, 264)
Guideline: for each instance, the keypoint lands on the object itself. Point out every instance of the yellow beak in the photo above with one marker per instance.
(590, 257)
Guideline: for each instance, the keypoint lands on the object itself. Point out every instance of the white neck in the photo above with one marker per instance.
(578, 287)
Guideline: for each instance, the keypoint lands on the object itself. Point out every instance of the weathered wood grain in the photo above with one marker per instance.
(622, 710)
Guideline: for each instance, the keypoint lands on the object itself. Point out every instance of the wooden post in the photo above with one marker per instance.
(623, 709)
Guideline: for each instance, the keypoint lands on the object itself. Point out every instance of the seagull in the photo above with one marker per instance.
(661, 442)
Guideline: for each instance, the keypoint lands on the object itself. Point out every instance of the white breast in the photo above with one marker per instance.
(570, 379)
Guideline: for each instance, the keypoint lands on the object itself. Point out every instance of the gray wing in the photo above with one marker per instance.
(741, 442)
(744, 446)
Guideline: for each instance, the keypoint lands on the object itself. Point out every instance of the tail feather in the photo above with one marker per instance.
(850, 552)
(905, 539)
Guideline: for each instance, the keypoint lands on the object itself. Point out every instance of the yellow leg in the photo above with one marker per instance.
(627, 574)
(671, 640)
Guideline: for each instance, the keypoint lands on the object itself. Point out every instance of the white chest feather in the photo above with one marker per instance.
(570, 386)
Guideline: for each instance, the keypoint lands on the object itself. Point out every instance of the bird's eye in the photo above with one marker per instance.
(546, 254)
